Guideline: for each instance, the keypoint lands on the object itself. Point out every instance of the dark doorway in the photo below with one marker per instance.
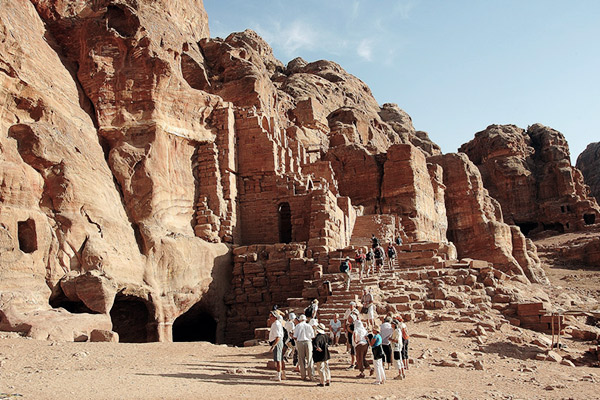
(285, 223)
(558, 227)
(195, 325)
(527, 227)
(131, 319)
(27, 236)
(589, 219)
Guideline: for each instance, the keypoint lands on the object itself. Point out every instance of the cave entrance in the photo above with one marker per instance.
(58, 299)
(527, 227)
(589, 219)
(285, 223)
(133, 320)
(558, 227)
(195, 325)
(27, 236)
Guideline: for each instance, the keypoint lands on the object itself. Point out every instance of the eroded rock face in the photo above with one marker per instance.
(529, 172)
(67, 211)
(135, 152)
(475, 223)
(588, 163)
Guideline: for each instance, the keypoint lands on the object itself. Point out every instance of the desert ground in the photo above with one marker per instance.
(443, 364)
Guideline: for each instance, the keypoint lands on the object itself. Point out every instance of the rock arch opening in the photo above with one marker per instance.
(133, 319)
(195, 325)
(27, 236)
(285, 222)
(589, 219)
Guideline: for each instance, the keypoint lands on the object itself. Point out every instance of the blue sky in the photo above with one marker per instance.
(454, 66)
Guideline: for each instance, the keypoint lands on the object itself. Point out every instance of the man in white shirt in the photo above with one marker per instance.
(276, 342)
(303, 334)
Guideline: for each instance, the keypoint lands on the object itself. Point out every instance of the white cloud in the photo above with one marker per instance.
(294, 36)
(403, 9)
(365, 49)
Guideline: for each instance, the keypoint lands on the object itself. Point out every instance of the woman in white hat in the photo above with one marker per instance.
(361, 345)
(321, 355)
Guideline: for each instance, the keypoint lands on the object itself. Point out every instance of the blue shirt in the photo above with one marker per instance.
(377, 340)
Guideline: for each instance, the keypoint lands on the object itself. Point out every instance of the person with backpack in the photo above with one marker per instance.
(391, 253)
(346, 268)
(398, 240)
(289, 326)
(312, 309)
(374, 241)
(369, 261)
(379, 258)
(359, 259)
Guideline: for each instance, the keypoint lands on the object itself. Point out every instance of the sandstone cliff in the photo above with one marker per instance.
(529, 172)
(476, 225)
(143, 163)
(98, 180)
(588, 163)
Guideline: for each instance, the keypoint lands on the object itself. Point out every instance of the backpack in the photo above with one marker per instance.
(344, 267)
(285, 335)
(358, 258)
(377, 252)
(375, 242)
(369, 255)
(308, 311)
(398, 240)
(391, 251)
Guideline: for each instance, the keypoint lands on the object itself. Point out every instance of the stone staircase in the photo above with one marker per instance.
(382, 226)
(427, 280)
(428, 283)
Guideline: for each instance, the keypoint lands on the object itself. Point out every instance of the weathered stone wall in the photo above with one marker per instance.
(263, 276)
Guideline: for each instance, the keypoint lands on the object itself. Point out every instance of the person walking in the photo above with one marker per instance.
(368, 307)
(378, 356)
(359, 262)
(374, 241)
(396, 341)
(369, 262)
(346, 269)
(404, 330)
(303, 335)
(379, 258)
(321, 356)
(386, 333)
(391, 253)
(350, 316)
(290, 345)
(276, 342)
(361, 346)
(398, 240)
